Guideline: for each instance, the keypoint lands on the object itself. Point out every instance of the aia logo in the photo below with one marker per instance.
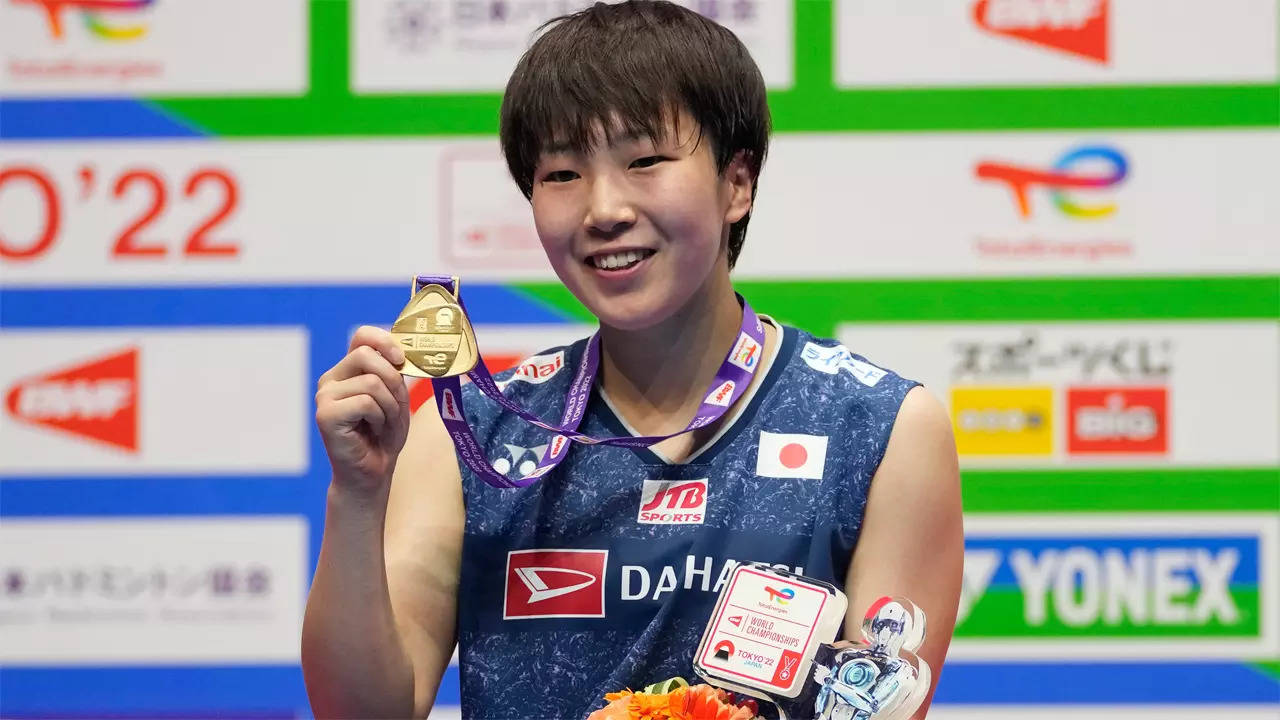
(1118, 420)
(1089, 167)
(780, 596)
(1077, 27)
(97, 400)
(95, 14)
(746, 352)
(722, 394)
(555, 584)
(539, 368)
(673, 502)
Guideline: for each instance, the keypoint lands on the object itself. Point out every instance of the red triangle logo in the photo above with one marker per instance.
(1078, 27)
(96, 400)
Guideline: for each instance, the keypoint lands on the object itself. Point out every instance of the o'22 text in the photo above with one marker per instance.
(132, 240)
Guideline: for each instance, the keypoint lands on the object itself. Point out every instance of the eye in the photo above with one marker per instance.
(560, 176)
(647, 161)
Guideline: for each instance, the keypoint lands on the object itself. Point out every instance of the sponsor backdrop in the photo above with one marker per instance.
(1059, 214)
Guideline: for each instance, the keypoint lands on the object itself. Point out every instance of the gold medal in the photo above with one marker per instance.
(435, 334)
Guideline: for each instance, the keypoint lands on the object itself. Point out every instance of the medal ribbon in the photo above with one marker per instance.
(730, 383)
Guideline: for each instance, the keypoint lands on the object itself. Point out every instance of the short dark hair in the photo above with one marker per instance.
(629, 67)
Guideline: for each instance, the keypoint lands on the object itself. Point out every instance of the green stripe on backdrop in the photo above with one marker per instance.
(812, 105)
(820, 305)
(330, 48)
(1171, 489)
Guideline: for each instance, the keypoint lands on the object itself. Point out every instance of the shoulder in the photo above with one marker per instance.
(825, 388)
(837, 373)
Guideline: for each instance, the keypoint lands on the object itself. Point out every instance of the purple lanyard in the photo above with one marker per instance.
(731, 381)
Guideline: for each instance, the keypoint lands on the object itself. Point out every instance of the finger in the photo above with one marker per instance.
(378, 364)
(365, 360)
(367, 384)
(350, 411)
(380, 340)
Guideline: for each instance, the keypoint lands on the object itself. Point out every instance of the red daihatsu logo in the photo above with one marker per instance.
(555, 584)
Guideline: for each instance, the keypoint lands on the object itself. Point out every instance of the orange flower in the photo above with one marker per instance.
(708, 703)
(699, 702)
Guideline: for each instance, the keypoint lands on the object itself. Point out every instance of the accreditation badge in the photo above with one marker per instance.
(435, 334)
(765, 628)
(770, 636)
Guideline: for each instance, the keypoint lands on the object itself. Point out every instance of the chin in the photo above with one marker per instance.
(624, 313)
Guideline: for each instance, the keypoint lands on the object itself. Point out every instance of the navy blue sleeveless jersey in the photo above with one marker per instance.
(602, 575)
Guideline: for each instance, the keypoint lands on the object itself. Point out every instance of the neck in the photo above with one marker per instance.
(658, 374)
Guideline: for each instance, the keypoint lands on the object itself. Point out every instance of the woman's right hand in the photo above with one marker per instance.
(362, 410)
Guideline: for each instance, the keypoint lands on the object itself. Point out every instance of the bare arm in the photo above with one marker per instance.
(912, 539)
(379, 625)
(425, 521)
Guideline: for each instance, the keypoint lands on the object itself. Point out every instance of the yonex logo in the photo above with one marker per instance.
(523, 460)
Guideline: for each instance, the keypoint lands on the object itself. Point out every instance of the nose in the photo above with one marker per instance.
(610, 210)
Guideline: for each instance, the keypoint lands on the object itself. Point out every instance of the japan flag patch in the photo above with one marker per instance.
(785, 455)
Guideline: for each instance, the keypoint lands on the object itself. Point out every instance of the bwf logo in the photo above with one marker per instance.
(673, 502)
(97, 400)
(1077, 27)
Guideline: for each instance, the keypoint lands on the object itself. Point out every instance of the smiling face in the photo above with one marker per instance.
(636, 228)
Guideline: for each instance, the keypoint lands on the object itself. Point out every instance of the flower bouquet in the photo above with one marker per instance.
(675, 699)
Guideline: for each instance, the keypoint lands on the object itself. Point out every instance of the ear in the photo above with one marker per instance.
(737, 181)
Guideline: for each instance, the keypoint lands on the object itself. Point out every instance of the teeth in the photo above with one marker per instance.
(617, 260)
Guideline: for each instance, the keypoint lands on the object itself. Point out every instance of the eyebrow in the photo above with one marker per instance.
(628, 137)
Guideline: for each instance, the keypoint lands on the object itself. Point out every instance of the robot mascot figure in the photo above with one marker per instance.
(880, 677)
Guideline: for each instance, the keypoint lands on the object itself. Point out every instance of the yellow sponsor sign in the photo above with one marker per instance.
(1003, 420)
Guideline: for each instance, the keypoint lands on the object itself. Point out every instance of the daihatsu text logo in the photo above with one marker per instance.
(1106, 167)
(93, 13)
